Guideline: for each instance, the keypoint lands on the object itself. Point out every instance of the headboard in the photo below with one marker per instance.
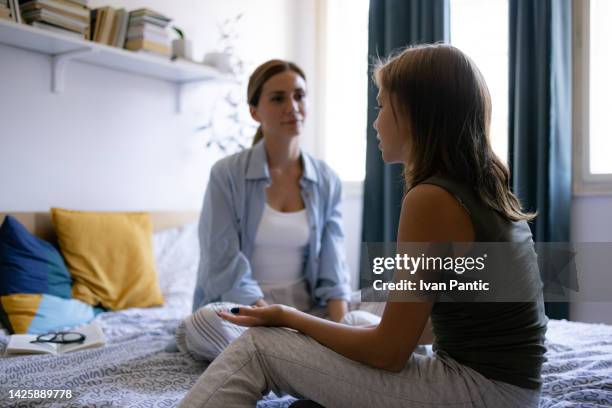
(39, 223)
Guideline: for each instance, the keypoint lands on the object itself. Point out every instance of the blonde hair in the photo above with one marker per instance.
(260, 76)
(446, 99)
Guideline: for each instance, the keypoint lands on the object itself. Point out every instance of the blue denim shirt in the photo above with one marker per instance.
(232, 209)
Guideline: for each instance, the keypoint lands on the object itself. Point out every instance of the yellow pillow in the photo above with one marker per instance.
(110, 257)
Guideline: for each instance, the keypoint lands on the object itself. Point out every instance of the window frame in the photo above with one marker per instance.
(584, 182)
(351, 186)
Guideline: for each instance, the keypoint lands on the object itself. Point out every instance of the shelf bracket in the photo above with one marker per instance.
(58, 65)
(178, 97)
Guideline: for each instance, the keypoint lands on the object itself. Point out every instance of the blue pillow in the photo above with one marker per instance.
(29, 264)
(35, 284)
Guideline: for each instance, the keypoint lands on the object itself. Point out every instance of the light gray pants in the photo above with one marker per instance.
(203, 335)
(266, 359)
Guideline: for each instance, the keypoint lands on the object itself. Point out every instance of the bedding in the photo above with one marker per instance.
(133, 370)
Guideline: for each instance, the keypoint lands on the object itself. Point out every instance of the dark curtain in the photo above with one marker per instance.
(540, 118)
(393, 24)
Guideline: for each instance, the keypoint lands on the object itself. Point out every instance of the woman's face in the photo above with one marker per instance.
(393, 136)
(282, 105)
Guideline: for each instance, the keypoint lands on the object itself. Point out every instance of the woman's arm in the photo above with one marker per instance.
(429, 214)
(224, 271)
(332, 280)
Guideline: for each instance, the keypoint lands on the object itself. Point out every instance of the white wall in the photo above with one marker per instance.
(592, 222)
(112, 140)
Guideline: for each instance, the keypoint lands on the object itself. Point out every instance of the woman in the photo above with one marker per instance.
(434, 118)
(270, 229)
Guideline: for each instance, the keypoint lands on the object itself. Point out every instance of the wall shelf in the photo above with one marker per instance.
(63, 49)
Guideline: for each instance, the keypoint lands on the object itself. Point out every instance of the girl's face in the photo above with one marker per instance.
(393, 135)
(282, 105)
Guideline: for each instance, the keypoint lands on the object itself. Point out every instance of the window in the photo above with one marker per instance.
(592, 86)
(600, 67)
(480, 29)
(344, 40)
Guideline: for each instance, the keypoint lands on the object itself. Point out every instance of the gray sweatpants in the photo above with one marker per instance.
(203, 335)
(266, 359)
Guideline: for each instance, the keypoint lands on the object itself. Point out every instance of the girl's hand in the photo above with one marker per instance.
(256, 316)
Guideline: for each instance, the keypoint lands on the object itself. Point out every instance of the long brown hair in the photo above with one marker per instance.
(260, 76)
(446, 99)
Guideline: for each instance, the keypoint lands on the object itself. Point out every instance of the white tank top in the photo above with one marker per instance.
(278, 252)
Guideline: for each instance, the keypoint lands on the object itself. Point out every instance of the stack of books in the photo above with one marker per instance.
(109, 26)
(5, 11)
(147, 32)
(69, 17)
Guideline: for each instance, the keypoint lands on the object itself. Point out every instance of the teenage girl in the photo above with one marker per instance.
(434, 117)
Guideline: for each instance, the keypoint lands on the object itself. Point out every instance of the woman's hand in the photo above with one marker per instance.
(257, 316)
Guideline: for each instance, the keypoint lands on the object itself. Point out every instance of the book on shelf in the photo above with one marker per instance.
(140, 19)
(22, 343)
(104, 24)
(62, 6)
(154, 47)
(146, 31)
(15, 12)
(120, 25)
(93, 15)
(148, 35)
(109, 26)
(65, 15)
(55, 29)
(57, 20)
(139, 28)
(151, 16)
(5, 12)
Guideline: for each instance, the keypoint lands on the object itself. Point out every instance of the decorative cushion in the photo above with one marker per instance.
(42, 313)
(29, 264)
(35, 285)
(110, 257)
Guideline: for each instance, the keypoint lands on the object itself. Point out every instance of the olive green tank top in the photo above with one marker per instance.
(502, 341)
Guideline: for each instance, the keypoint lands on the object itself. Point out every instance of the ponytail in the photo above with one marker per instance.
(258, 136)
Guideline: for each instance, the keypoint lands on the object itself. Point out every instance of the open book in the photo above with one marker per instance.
(20, 343)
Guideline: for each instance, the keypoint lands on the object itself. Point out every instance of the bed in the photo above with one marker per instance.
(135, 370)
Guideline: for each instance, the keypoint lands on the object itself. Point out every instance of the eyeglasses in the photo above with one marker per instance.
(60, 337)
